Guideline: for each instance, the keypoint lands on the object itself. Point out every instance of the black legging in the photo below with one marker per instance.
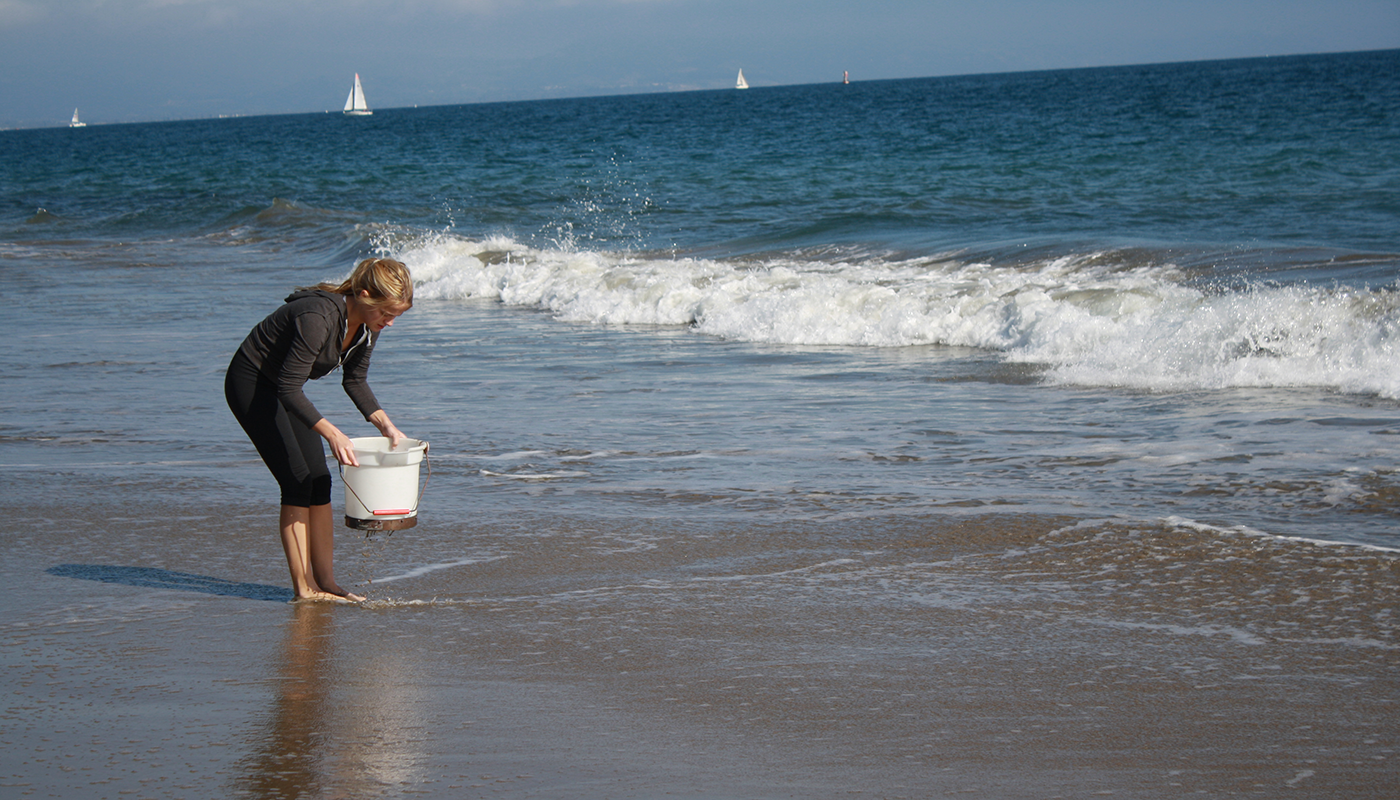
(292, 451)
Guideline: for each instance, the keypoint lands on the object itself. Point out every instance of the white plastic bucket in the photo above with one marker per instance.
(382, 493)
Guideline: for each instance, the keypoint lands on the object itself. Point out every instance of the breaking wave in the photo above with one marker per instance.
(1094, 318)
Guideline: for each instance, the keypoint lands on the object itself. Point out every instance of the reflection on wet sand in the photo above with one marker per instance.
(292, 757)
(337, 719)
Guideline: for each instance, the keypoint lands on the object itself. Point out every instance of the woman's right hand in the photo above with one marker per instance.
(341, 447)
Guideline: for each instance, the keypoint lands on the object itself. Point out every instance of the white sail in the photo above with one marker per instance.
(355, 103)
(741, 83)
(76, 123)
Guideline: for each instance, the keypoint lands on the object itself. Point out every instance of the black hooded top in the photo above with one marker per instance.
(301, 341)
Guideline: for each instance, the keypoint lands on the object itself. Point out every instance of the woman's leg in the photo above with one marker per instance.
(294, 523)
(322, 547)
(308, 539)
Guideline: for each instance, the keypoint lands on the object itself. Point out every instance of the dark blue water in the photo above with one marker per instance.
(1296, 152)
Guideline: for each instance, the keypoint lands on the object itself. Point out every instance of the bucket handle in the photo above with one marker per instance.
(421, 489)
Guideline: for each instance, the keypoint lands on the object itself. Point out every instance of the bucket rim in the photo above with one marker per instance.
(380, 444)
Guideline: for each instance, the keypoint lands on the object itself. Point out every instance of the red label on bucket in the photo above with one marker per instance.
(382, 511)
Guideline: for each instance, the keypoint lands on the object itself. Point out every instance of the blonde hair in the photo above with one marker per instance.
(386, 281)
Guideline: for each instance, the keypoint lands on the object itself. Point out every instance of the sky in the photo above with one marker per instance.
(146, 60)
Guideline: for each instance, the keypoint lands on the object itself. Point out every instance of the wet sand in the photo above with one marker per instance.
(159, 658)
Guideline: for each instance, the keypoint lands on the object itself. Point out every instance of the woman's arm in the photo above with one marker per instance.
(309, 333)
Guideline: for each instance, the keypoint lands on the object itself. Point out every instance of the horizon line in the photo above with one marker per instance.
(610, 93)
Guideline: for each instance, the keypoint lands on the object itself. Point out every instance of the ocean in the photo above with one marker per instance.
(1012, 434)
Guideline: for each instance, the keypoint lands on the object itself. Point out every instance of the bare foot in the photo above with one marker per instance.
(348, 597)
(328, 597)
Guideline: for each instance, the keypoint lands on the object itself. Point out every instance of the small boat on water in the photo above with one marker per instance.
(355, 103)
(76, 123)
(741, 83)
(846, 76)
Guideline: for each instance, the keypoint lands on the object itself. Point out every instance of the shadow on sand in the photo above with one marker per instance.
(151, 578)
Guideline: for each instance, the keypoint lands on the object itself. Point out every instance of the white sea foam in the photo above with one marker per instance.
(1089, 320)
(587, 456)
(1236, 634)
(535, 476)
(1245, 530)
(424, 569)
(515, 456)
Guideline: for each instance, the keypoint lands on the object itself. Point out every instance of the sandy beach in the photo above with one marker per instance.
(159, 658)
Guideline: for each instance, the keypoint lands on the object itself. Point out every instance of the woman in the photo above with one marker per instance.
(318, 330)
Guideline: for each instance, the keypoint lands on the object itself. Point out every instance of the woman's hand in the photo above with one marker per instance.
(341, 447)
(386, 428)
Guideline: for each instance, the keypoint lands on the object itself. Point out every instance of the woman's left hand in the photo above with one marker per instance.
(386, 428)
(395, 436)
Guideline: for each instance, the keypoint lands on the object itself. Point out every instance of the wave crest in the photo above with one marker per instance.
(1088, 318)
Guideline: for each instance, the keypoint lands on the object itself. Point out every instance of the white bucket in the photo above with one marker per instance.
(382, 493)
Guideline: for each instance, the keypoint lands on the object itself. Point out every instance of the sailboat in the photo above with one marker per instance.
(846, 76)
(355, 103)
(76, 123)
(741, 83)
